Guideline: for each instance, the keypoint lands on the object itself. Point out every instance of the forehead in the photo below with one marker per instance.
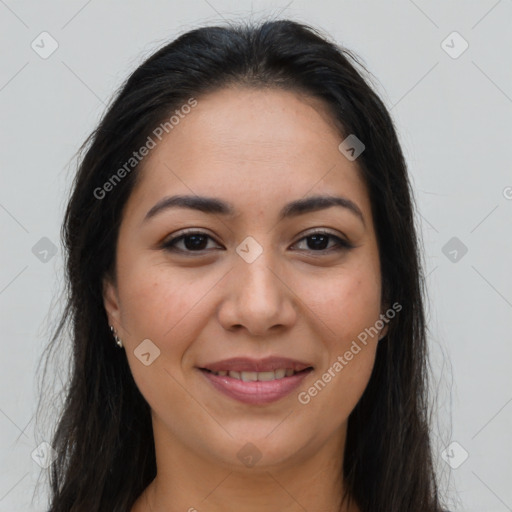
(252, 147)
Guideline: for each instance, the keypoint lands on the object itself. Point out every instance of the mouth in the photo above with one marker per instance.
(268, 376)
(256, 381)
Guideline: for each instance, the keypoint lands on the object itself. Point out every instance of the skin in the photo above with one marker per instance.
(257, 149)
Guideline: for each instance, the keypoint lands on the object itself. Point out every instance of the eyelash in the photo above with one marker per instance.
(341, 245)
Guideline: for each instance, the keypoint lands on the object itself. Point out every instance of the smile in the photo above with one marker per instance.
(257, 376)
(256, 381)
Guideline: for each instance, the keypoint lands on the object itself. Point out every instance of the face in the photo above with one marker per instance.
(265, 291)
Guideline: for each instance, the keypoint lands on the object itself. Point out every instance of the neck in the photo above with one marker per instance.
(186, 481)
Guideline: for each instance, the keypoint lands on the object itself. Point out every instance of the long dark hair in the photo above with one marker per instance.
(103, 439)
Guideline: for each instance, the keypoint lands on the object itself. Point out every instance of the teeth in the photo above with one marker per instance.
(249, 376)
(265, 375)
(257, 376)
(280, 373)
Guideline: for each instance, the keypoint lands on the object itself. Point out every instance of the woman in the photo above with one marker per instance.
(245, 290)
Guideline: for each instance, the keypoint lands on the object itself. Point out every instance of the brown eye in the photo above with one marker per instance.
(194, 241)
(197, 241)
(319, 242)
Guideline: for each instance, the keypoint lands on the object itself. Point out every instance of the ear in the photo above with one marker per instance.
(111, 303)
(384, 330)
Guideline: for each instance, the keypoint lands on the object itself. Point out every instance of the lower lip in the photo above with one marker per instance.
(257, 392)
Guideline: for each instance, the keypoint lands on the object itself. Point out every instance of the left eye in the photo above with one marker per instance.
(196, 241)
(320, 239)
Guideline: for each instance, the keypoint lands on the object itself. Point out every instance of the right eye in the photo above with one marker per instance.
(193, 241)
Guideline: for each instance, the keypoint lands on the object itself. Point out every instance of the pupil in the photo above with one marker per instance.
(198, 242)
(316, 238)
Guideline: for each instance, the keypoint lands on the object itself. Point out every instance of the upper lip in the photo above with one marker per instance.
(246, 364)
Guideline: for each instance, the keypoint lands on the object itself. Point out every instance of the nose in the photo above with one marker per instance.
(258, 298)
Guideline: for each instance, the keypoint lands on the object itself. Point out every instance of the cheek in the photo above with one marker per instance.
(163, 304)
(350, 354)
(344, 307)
(346, 301)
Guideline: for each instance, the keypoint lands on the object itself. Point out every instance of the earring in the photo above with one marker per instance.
(116, 337)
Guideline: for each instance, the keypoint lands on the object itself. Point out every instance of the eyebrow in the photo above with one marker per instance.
(213, 205)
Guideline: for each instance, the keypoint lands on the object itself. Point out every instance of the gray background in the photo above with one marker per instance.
(453, 115)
